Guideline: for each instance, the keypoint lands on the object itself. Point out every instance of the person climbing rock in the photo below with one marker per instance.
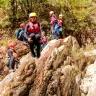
(32, 34)
(12, 56)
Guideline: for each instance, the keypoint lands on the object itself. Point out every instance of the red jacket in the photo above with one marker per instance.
(53, 19)
(34, 27)
(60, 22)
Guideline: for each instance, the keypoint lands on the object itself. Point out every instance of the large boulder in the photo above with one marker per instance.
(21, 50)
(50, 64)
(88, 83)
(19, 82)
(56, 73)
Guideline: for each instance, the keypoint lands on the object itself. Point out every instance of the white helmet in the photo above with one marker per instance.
(51, 12)
(60, 15)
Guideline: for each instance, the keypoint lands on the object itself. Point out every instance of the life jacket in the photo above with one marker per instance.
(60, 22)
(33, 27)
(53, 19)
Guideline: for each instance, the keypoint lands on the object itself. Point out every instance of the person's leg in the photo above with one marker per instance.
(60, 32)
(38, 50)
(37, 37)
(32, 49)
(38, 45)
(11, 62)
(56, 31)
(32, 36)
(61, 36)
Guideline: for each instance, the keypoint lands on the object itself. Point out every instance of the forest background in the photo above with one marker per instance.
(79, 16)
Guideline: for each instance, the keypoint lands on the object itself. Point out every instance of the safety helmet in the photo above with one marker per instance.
(22, 25)
(33, 14)
(12, 44)
(51, 12)
(60, 15)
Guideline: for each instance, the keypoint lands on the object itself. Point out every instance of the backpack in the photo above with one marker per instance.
(20, 34)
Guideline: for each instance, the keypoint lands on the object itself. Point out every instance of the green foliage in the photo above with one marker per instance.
(5, 22)
(77, 17)
(77, 13)
(4, 4)
(4, 42)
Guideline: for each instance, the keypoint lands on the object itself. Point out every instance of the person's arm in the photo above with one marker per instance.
(25, 31)
(40, 29)
(18, 32)
(10, 53)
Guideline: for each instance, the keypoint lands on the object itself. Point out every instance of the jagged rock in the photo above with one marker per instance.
(55, 73)
(90, 53)
(21, 50)
(18, 83)
(88, 84)
(52, 58)
(3, 50)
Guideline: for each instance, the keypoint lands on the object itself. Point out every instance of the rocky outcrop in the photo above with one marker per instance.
(60, 71)
(21, 50)
(88, 83)
(57, 76)
(18, 83)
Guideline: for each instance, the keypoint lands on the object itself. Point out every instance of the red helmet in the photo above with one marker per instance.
(12, 44)
(22, 25)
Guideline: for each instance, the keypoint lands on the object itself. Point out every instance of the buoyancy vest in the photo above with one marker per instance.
(60, 22)
(53, 19)
(33, 27)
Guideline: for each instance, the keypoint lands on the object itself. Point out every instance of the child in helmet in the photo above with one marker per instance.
(12, 55)
(44, 39)
(60, 23)
(32, 34)
(20, 32)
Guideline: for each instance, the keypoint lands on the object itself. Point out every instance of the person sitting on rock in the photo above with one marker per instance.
(12, 56)
(20, 32)
(32, 34)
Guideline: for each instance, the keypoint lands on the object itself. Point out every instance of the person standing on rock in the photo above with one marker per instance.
(54, 25)
(33, 34)
(60, 24)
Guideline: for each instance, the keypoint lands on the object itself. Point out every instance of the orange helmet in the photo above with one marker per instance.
(12, 44)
